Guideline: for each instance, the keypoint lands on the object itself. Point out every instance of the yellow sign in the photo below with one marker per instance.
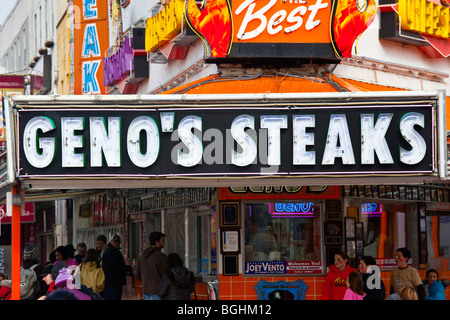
(424, 17)
(164, 26)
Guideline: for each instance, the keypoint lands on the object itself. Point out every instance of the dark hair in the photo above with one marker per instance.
(406, 253)
(432, 270)
(61, 295)
(257, 220)
(81, 244)
(155, 236)
(52, 256)
(173, 259)
(369, 260)
(63, 252)
(102, 238)
(344, 255)
(356, 283)
(92, 256)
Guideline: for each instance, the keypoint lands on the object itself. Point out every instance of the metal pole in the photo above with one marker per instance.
(15, 244)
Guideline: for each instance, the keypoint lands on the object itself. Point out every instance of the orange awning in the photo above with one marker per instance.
(278, 83)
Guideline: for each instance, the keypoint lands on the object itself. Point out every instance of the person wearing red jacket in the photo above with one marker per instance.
(336, 279)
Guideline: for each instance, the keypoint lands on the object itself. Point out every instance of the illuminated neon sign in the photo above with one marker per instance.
(424, 17)
(291, 209)
(371, 209)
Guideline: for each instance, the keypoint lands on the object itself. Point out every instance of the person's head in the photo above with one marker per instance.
(365, 262)
(30, 252)
(2, 276)
(408, 293)
(61, 295)
(46, 274)
(92, 256)
(157, 239)
(56, 268)
(81, 249)
(64, 278)
(116, 241)
(354, 282)
(173, 259)
(101, 242)
(402, 256)
(61, 254)
(341, 259)
(52, 256)
(432, 276)
(70, 250)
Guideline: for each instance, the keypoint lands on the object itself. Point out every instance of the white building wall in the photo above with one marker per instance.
(395, 58)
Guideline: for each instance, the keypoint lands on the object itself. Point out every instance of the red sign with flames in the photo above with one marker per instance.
(271, 27)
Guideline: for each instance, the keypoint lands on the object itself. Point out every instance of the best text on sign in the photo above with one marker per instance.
(216, 141)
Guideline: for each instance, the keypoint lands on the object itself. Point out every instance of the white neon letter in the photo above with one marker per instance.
(248, 145)
(373, 139)
(70, 141)
(30, 138)
(303, 139)
(274, 124)
(133, 141)
(338, 131)
(418, 144)
(109, 143)
(192, 142)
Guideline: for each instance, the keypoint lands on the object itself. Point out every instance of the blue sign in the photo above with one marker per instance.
(281, 290)
(265, 267)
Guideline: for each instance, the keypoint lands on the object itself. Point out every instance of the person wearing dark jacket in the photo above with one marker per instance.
(30, 259)
(177, 282)
(373, 286)
(151, 266)
(114, 268)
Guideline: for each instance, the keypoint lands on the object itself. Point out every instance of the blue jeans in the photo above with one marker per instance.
(151, 297)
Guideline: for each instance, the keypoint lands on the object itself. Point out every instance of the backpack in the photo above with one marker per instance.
(29, 284)
(91, 293)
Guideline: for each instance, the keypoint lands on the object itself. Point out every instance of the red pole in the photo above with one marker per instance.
(15, 246)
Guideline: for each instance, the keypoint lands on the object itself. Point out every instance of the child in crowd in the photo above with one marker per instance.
(354, 287)
(434, 288)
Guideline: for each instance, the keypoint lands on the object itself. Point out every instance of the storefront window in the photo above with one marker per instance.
(387, 227)
(282, 238)
(438, 239)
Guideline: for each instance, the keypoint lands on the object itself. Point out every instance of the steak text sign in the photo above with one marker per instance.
(222, 141)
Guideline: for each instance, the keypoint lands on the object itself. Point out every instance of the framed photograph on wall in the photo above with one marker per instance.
(230, 241)
(229, 215)
(351, 248)
(349, 227)
(359, 230)
(230, 265)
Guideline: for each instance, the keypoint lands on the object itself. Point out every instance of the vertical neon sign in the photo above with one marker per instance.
(90, 42)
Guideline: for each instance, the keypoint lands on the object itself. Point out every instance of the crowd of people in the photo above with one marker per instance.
(91, 274)
(343, 282)
(100, 273)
